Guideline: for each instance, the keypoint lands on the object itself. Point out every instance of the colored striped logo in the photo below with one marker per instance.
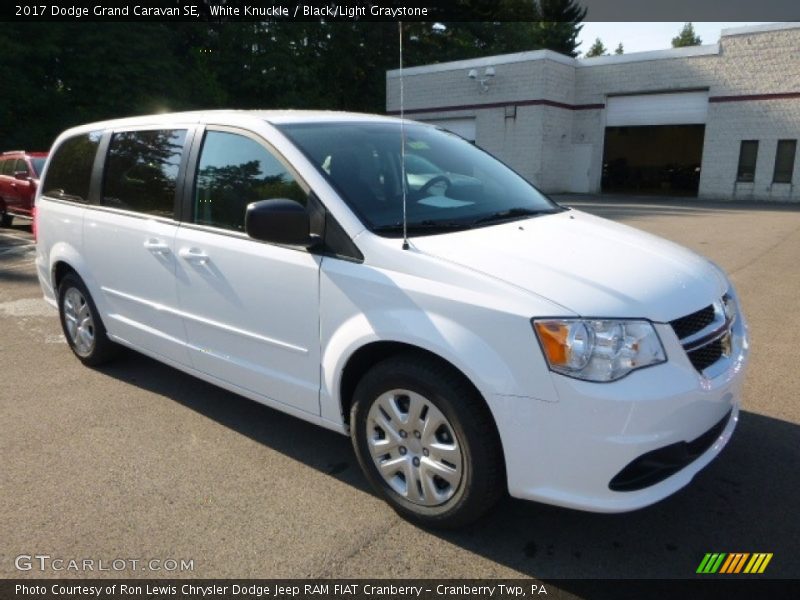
(735, 562)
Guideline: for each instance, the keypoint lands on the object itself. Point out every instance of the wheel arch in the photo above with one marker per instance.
(486, 458)
(369, 355)
(372, 353)
(58, 271)
(64, 258)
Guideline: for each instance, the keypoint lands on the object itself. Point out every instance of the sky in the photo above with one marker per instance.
(639, 37)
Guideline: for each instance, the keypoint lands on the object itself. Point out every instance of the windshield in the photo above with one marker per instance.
(38, 165)
(450, 183)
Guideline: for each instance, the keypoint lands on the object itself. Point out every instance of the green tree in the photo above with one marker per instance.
(686, 37)
(28, 108)
(619, 50)
(539, 24)
(63, 80)
(560, 25)
(597, 49)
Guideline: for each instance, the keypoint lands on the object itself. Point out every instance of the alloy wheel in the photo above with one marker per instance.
(79, 322)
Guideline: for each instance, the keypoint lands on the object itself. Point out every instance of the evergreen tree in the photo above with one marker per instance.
(686, 37)
(620, 49)
(597, 49)
(62, 80)
(560, 25)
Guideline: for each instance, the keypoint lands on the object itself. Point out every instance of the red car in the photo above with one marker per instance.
(19, 178)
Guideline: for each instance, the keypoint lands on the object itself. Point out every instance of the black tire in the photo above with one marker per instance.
(482, 481)
(101, 349)
(6, 219)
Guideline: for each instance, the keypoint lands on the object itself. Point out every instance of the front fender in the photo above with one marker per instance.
(435, 333)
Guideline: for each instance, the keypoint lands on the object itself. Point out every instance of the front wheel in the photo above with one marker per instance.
(427, 442)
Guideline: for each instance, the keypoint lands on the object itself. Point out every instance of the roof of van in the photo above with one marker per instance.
(271, 116)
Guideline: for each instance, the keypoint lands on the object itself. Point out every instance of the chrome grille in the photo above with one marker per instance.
(706, 356)
(691, 324)
(706, 333)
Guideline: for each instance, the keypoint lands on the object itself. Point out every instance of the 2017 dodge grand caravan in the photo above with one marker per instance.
(509, 344)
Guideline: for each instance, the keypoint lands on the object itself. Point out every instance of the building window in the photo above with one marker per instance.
(784, 161)
(747, 161)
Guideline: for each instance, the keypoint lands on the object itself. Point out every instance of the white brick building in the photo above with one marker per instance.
(721, 121)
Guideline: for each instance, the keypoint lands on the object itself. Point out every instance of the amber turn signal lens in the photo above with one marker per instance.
(553, 336)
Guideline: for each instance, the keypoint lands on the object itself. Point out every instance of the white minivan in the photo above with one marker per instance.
(501, 343)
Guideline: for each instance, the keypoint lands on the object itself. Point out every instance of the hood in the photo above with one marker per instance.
(591, 266)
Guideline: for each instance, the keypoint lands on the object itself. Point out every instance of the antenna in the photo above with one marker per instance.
(403, 139)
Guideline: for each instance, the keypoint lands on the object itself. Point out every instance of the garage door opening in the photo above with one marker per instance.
(653, 159)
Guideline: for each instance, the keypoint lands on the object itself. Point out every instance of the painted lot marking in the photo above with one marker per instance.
(24, 237)
(26, 307)
(20, 249)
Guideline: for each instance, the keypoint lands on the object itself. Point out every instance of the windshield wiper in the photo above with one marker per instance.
(428, 226)
(509, 215)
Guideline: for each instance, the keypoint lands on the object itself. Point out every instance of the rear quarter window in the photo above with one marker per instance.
(70, 169)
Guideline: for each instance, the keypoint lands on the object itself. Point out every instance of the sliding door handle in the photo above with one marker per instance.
(194, 255)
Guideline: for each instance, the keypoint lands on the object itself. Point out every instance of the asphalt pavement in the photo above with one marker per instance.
(138, 461)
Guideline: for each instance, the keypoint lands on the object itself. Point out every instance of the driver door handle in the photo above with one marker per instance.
(156, 246)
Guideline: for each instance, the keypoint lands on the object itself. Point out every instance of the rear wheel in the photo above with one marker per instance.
(81, 323)
(426, 442)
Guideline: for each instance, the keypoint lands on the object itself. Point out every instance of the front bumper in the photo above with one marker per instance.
(568, 452)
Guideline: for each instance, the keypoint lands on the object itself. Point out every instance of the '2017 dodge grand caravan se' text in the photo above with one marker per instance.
(397, 284)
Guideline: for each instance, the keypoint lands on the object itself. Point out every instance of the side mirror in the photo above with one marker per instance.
(279, 220)
(21, 175)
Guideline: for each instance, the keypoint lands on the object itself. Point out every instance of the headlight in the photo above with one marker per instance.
(598, 349)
